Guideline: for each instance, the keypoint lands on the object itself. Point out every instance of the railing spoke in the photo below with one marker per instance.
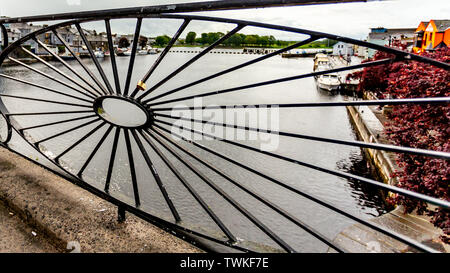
(234, 68)
(87, 70)
(317, 200)
(44, 46)
(361, 144)
(47, 76)
(52, 67)
(112, 159)
(132, 168)
(133, 55)
(373, 63)
(191, 190)
(229, 199)
(66, 131)
(48, 113)
(162, 55)
(433, 100)
(55, 123)
(78, 142)
(156, 176)
(99, 144)
(112, 56)
(94, 59)
(263, 200)
(408, 193)
(44, 87)
(191, 61)
(46, 101)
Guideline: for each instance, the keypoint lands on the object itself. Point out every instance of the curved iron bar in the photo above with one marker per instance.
(175, 229)
(4, 34)
(4, 141)
(175, 8)
(399, 56)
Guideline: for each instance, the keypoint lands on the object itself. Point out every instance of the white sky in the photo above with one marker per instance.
(348, 19)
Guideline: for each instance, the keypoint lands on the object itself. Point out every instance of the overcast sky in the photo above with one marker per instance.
(349, 19)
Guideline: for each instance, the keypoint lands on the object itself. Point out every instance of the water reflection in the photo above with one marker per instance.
(367, 196)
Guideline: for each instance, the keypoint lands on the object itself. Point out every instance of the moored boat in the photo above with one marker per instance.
(121, 51)
(99, 54)
(152, 51)
(321, 62)
(142, 52)
(329, 82)
(67, 56)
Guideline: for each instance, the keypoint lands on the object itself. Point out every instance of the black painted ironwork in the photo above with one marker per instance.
(152, 141)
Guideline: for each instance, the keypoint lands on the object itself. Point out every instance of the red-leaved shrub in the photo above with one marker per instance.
(424, 126)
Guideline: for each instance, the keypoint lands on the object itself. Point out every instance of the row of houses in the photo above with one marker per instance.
(431, 35)
(98, 41)
(428, 36)
(379, 36)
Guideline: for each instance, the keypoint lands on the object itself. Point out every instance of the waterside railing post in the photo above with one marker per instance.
(121, 216)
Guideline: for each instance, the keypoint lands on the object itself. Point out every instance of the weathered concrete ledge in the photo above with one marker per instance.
(359, 238)
(369, 130)
(66, 213)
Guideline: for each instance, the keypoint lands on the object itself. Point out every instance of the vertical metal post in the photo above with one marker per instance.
(121, 216)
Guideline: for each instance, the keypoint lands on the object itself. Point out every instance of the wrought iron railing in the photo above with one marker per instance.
(84, 96)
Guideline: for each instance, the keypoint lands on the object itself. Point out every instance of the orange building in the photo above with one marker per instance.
(432, 35)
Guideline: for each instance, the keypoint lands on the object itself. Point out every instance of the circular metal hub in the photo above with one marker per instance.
(122, 112)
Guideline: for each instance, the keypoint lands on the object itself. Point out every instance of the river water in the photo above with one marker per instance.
(331, 122)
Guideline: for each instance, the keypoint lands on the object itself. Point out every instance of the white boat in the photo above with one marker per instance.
(99, 54)
(321, 62)
(152, 51)
(329, 82)
(142, 52)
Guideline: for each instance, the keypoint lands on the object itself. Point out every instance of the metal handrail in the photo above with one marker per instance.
(173, 8)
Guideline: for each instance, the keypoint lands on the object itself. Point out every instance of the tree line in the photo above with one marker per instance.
(238, 40)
